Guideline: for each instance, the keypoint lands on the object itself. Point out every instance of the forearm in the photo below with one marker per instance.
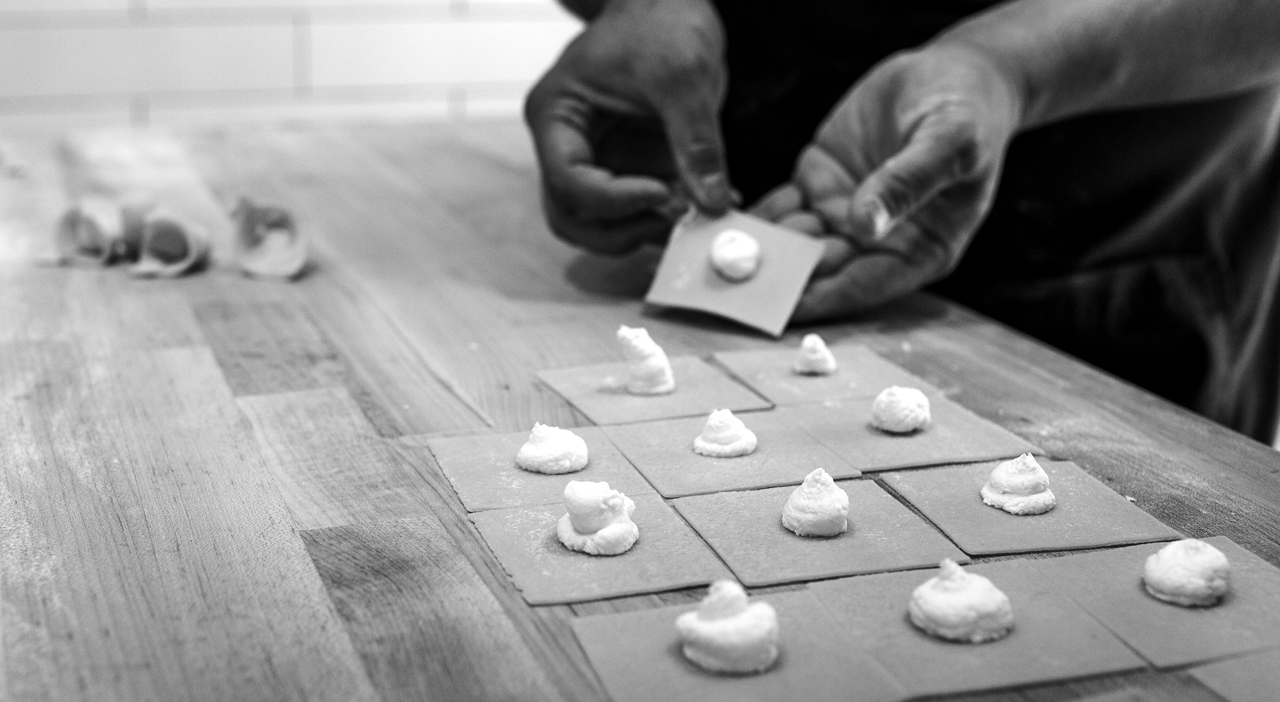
(1068, 58)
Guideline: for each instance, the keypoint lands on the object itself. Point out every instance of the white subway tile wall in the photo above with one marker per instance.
(155, 61)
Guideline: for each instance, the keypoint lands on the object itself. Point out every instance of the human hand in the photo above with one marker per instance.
(899, 177)
(626, 124)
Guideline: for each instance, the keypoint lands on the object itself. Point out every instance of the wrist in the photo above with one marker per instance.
(1004, 88)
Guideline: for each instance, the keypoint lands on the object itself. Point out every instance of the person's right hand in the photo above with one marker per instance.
(626, 124)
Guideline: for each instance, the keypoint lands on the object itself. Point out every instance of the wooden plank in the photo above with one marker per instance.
(148, 555)
(330, 465)
(546, 629)
(268, 347)
(424, 622)
(34, 304)
(111, 310)
(441, 228)
(401, 390)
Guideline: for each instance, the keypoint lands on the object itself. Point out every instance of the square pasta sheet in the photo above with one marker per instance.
(483, 471)
(600, 392)
(1254, 678)
(860, 374)
(955, 435)
(784, 455)
(686, 279)
(1088, 514)
(668, 555)
(1053, 639)
(638, 658)
(1108, 584)
(745, 529)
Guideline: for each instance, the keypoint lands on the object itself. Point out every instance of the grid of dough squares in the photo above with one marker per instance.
(713, 516)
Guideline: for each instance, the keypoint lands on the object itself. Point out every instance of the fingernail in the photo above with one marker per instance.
(715, 191)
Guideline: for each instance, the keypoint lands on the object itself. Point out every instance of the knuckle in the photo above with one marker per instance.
(962, 149)
(902, 188)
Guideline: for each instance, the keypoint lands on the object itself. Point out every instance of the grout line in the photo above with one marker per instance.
(302, 50)
(139, 111)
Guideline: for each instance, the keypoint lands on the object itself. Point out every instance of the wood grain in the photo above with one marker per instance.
(330, 465)
(427, 626)
(161, 437)
(268, 347)
(147, 554)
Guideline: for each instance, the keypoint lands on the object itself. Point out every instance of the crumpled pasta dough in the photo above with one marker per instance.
(724, 436)
(960, 606)
(552, 450)
(729, 634)
(648, 369)
(597, 519)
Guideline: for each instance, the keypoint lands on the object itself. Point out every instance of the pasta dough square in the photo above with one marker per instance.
(1253, 678)
(745, 529)
(483, 471)
(1088, 514)
(685, 278)
(1052, 638)
(955, 435)
(860, 375)
(1108, 584)
(600, 392)
(785, 453)
(668, 556)
(637, 656)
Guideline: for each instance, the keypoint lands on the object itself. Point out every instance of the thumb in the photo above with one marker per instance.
(937, 156)
(693, 128)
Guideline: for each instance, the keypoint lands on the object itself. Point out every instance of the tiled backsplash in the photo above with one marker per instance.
(143, 61)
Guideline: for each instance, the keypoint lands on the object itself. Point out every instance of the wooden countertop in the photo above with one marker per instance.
(205, 495)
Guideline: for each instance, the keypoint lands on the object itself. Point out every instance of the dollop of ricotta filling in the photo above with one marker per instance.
(814, 358)
(817, 508)
(960, 606)
(735, 255)
(1019, 486)
(900, 410)
(724, 436)
(648, 369)
(597, 519)
(552, 450)
(728, 633)
(1189, 572)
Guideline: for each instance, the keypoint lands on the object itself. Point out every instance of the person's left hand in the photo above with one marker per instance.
(898, 177)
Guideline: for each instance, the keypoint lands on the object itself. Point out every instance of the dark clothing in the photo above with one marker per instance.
(1146, 242)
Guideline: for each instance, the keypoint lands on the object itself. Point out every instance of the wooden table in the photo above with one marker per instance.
(205, 489)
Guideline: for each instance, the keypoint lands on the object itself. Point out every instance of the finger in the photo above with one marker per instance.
(864, 282)
(937, 156)
(837, 252)
(577, 185)
(806, 222)
(693, 126)
(821, 175)
(779, 202)
(611, 237)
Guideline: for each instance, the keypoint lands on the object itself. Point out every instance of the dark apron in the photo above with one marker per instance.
(1141, 241)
